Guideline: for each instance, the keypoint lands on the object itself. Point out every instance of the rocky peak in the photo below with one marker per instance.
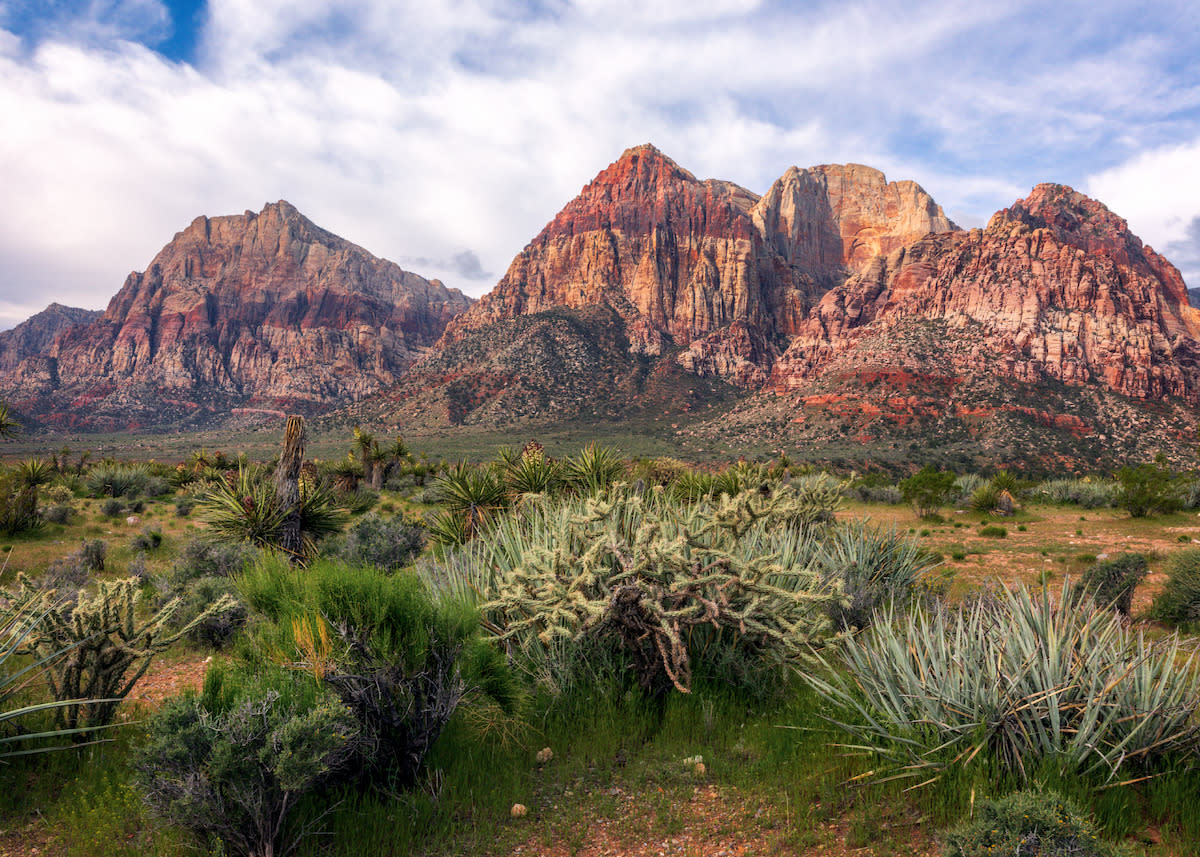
(237, 310)
(37, 333)
(1055, 288)
(834, 219)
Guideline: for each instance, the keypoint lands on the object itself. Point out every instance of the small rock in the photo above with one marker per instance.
(133, 520)
(518, 810)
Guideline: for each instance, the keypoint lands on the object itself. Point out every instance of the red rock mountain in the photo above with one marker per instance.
(852, 313)
(706, 268)
(1055, 288)
(253, 310)
(38, 332)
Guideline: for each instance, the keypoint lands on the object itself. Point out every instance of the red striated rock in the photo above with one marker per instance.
(705, 266)
(247, 309)
(1055, 288)
(38, 332)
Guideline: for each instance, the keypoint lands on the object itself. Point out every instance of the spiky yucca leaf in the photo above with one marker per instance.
(1017, 678)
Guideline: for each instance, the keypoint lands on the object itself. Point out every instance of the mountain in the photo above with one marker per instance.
(850, 314)
(37, 333)
(262, 310)
(706, 269)
(1051, 334)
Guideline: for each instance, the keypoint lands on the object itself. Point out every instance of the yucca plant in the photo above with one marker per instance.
(690, 486)
(471, 497)
(248, 509)
(874, 567)
(532, 473)
(593, 469)
(1017, 679)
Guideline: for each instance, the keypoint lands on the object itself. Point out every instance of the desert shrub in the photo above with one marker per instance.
(184, 506)
(1088, 493)
(658, 471)
(199, 576)
(381, 645)
(117, 480)
(207, 558)
(927, 490)
(149, 539)
(1027, 824)
(93, 553)
(984, 498)
(359, 501)
(1112, 581)
(385, 543)
(889, 494)
(646, 571)
(1148, 488)
(993, 532)
(112, 508)
(1179, 601)
(156, 486)
(230, 765)
(873, 567)
(58, 514)
(66, 574)
(1013, 679)
(965, 487)
(18, 504)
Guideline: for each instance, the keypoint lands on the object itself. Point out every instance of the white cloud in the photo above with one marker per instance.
(1158, 193)
(452, 132)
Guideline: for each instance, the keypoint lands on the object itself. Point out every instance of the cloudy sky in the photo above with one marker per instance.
(443, 135)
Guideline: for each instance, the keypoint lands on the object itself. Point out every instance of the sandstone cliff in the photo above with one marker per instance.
(263, 308)
(706, 267)
(37, 333)
(1055, 288)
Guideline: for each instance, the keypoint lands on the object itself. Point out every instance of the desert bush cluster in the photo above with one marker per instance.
(397, 641)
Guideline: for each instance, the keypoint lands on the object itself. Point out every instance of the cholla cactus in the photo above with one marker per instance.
(650, 584)
(108, 648)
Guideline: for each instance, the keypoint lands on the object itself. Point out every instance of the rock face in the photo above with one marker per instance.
(706, 267)
(38, 332)
(249, 309)
(1055, 288)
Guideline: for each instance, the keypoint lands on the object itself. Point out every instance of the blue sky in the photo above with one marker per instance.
(444, 135)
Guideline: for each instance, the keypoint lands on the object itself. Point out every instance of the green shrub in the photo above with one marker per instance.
(184, 506)
(117, 480)
(385, 543)
(232, 764)
(1088, 493)
(985, 498)
(1012, 679)
(112, 508)
(149, 539)
(381, 645)
(60, 514)
(1179, 601)
(1112, 581)
(927, 490)
(993, 532)
(1149, 488)
(1027, 824)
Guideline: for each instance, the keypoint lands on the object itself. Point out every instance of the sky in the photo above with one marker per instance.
(444, 135)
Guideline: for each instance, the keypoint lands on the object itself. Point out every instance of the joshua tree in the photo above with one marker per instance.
(287, 486)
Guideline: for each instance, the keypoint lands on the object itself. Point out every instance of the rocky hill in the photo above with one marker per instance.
(37, 333)
(706, 270)
(851, 313)
(262, 310)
